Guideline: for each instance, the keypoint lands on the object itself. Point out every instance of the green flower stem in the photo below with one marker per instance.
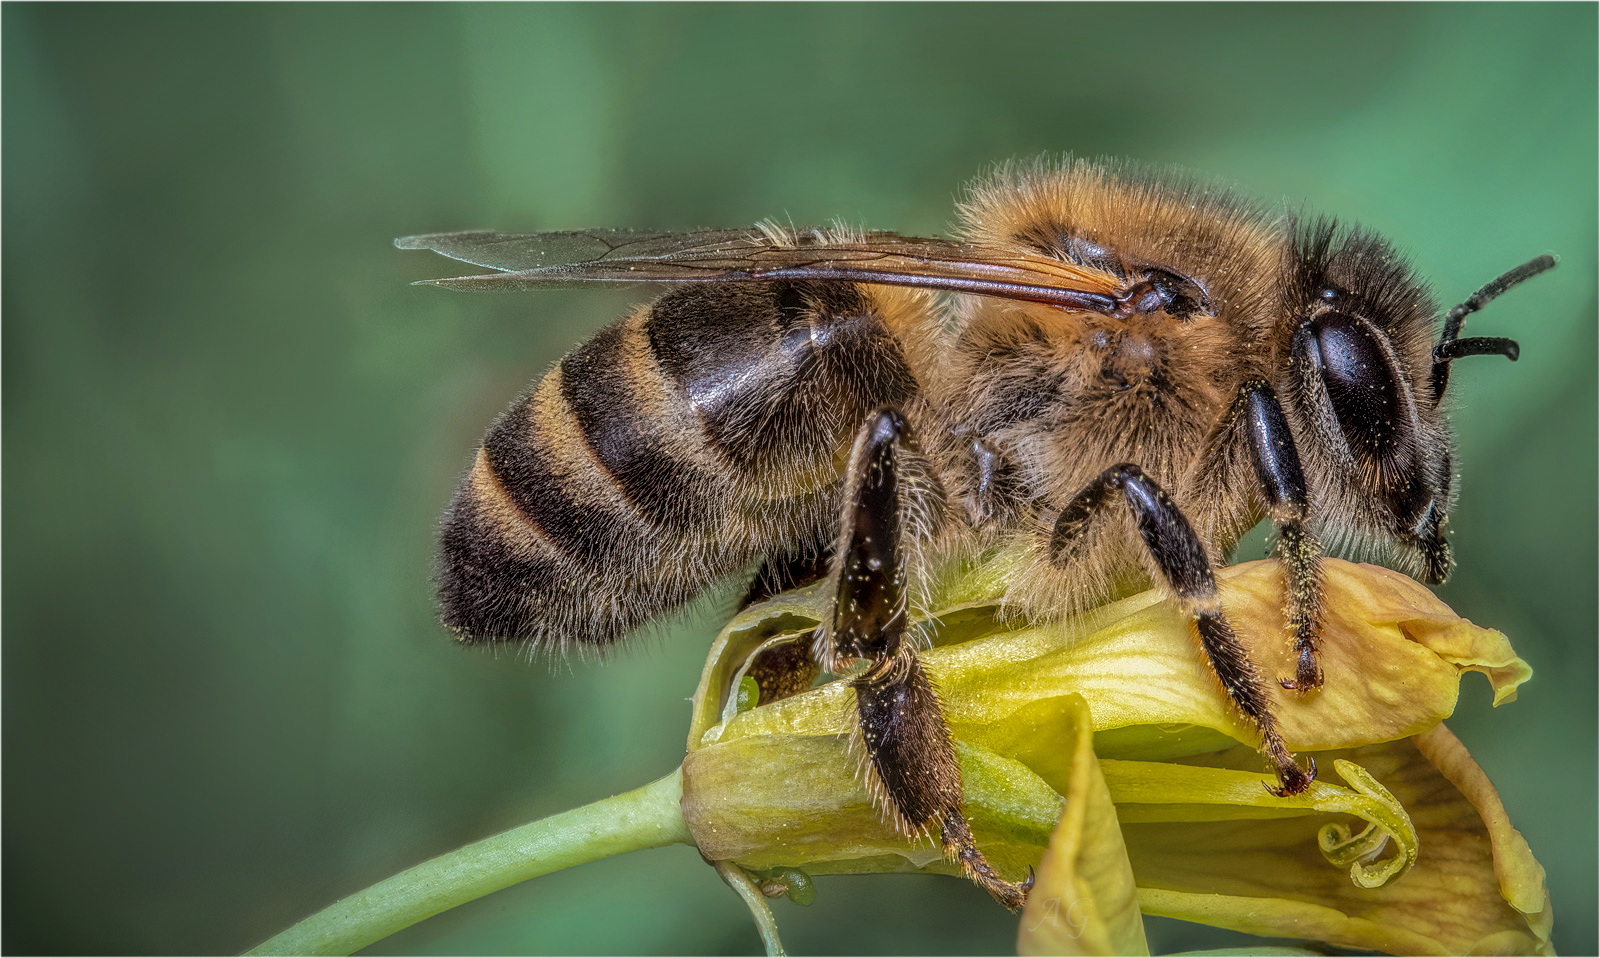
(740, 881)
(647, 817)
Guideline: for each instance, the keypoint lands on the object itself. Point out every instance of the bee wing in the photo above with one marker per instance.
(584, 257)
(514, 252)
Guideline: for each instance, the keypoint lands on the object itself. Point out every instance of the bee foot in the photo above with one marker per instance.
(1011, 895)
(1292, 779)
(1302, 684)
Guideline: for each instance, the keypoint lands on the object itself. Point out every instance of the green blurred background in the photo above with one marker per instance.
(229, 424)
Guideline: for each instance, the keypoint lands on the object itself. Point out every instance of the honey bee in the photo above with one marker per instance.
(1116, 372)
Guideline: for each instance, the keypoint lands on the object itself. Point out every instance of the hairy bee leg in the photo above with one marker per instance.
(914, 770)
(1277, 463)
(911, 765)
(1183, 563)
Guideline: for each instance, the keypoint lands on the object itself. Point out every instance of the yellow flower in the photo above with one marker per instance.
(1101, 751)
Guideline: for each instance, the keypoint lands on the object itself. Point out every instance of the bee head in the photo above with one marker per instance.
(1360, 370)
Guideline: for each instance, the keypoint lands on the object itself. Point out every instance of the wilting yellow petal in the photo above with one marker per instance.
(1521, 876)
(1392, 657)
(1392, 654)
(1083, 900)
(1474, 887)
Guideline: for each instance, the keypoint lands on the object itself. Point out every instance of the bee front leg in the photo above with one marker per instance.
(910, 766)
(1182, 561)
(1277, 463)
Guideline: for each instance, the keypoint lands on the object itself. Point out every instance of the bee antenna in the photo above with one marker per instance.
(1452, 347)
(1491, 290)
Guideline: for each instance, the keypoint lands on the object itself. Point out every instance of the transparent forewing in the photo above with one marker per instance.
(583, 257)
(533, 251)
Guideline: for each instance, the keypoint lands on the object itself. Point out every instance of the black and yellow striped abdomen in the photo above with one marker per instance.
(668, 453)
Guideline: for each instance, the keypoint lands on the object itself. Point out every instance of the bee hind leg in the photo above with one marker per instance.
(910, 766)
(1182, 561)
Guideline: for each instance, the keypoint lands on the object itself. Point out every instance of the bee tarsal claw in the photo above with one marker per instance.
(1011, 895)
(1292, 779)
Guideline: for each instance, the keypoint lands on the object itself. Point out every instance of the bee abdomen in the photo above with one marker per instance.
(576, 520)
(664, 455)
(499, 581)
(786, 384)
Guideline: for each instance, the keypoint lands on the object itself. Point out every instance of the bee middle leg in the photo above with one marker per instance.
(911, 765)
(1182, 560)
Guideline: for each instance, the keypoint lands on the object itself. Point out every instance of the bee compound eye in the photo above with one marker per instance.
(1355, 368)
(1366, 389)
